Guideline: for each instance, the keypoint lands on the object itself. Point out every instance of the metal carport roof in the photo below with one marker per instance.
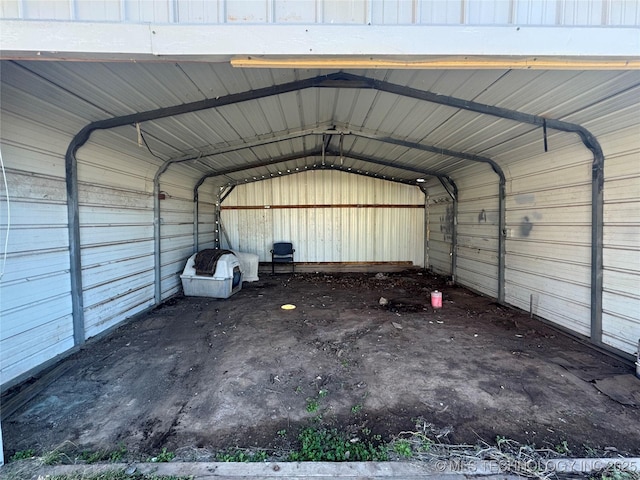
(237, 125)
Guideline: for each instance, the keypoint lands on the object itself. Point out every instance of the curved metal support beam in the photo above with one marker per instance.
(157, 243)
(346, 80)
(254, 142)
(340, 80)
(196, 226)
(385, 163)
(272, 161)
(326, 166)
(502, 191)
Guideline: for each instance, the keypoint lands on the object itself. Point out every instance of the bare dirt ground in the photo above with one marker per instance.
(204, 375)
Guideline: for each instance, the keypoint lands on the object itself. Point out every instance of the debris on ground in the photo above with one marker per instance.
(211, 374)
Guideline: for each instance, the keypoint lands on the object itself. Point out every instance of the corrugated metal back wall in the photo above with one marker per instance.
(376, 12)
(369, 220)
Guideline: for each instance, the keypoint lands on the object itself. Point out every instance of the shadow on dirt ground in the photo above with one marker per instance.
(205, 375)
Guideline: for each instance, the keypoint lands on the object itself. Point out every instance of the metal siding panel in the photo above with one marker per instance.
(362, 12)
(449, 12)
(103, 316)
(621, 276)
(548, 254)
(534, 12)
(477, 276)
(143, 11)
(206, 226)
(477, 265)
(98, 11)
(247, 11)
(483, 12)
(621, 332)
(440, 230)
(295, 11)
(199, 11)
(579, 12)
(176, 230)
(116, 232)
(46, 10)
(549, 301)
(624, 12)
(328, 234)
(344, 12)
(35, 307)
(10, 9)
(23, 352)
(393, 12)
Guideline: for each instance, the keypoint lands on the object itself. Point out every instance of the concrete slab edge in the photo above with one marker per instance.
(439, 469)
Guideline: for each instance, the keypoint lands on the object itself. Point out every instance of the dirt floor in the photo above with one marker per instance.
(202, 375)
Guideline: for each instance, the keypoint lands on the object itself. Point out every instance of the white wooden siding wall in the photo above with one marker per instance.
(35, 302)
(440, 214)
(328, 234)
(548, 246)
(376, 12)
(621, 296)
(477, 265)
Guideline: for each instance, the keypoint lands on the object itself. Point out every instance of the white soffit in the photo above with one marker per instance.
(325, 46)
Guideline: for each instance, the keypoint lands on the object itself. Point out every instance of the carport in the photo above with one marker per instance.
(513, 178)
(334, 140)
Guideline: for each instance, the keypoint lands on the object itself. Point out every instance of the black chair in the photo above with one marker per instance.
(282, 253)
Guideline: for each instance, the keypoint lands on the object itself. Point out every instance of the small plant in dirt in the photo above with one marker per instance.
(425, 444)
(118, 454)
(238, 455)
(323, 444)
(92, 457)
(356, 408)
(104, 455)
(282, 433)
(590, 452)
(403, 448)
(563, 448)
(613, 472)
(163, 457)
(55, 457)
(22, 455)
(312, 405)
